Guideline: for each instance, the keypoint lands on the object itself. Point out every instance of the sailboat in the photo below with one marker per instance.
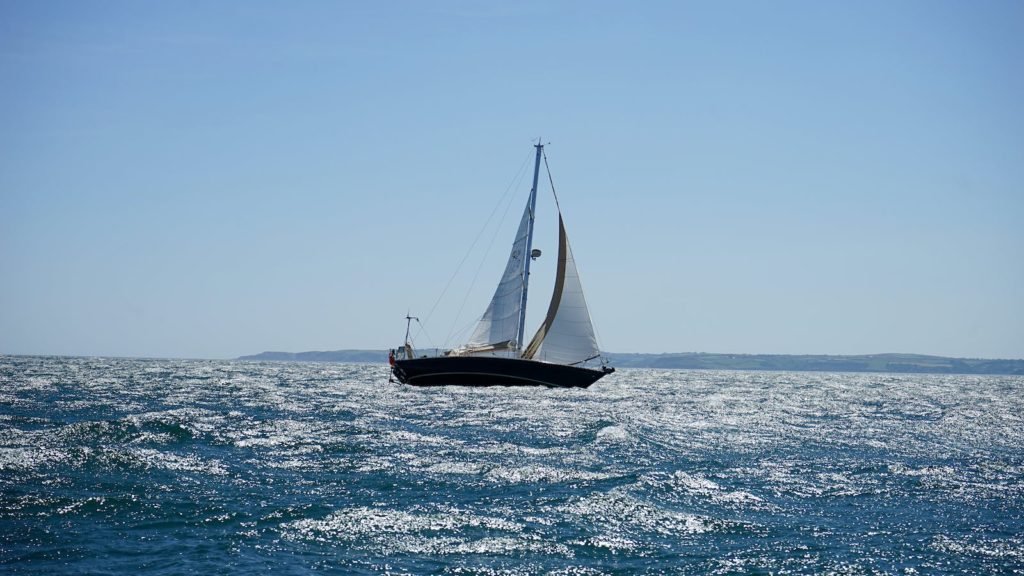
(560, 352)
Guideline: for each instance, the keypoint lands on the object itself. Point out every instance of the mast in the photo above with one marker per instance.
(529, 244)
(408, 345)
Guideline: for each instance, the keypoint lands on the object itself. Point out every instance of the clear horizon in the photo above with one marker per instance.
(383, 359)
(795, 178)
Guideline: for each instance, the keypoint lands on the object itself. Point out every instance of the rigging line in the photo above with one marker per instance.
(551, 180)
(458, 335)
(515, 179)
(584, 360)
(480, 267)
(425, 333)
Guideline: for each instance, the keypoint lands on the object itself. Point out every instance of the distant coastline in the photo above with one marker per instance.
(882, 363)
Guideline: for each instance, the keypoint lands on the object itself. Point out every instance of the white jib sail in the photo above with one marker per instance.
(567, 334)
(500, 322)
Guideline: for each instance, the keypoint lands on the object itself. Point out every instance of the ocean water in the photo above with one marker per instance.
(115, 466)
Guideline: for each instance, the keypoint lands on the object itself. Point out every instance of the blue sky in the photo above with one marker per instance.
(212, 179)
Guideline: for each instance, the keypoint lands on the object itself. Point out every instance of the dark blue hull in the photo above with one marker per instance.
(492, 371)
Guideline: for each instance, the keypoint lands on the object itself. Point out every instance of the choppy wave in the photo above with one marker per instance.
(154, 466)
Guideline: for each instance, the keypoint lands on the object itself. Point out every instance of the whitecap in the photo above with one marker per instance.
(613, 434)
